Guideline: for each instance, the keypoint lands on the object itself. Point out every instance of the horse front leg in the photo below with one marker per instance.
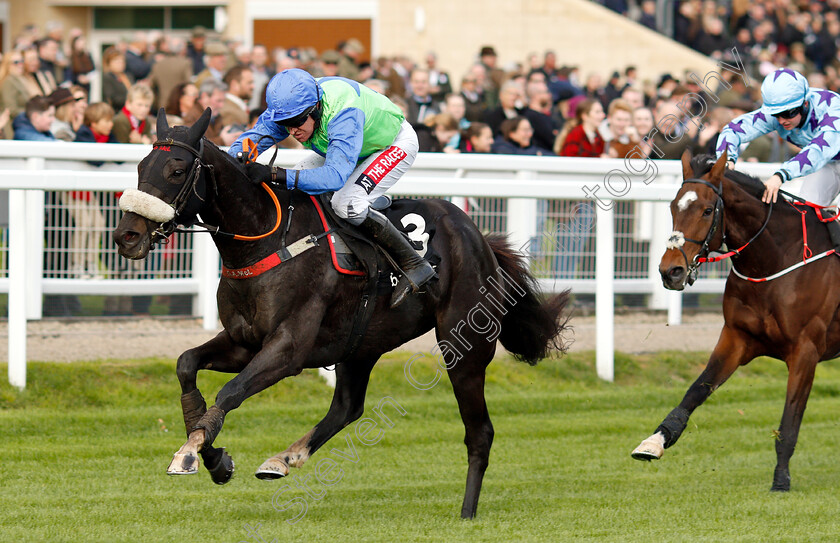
(282, 356)
(801, 370)
(347, 405)
(733, 349)
(219, 354)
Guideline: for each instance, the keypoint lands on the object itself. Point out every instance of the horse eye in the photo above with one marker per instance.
(178, 173)
(708, 211)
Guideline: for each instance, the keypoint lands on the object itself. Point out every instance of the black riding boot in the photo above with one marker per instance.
(416, 270)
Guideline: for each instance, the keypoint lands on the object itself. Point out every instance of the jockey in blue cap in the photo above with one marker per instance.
(808, 118)
(362, 145)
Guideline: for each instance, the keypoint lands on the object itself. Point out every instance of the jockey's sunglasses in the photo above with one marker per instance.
(298, 120)
(789, 114)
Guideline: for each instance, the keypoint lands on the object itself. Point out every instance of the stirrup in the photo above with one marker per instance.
(407, 286)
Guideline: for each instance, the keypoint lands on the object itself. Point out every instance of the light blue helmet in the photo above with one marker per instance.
(290, 94)
(782, 90)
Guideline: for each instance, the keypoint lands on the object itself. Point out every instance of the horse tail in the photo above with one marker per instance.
(532, 327)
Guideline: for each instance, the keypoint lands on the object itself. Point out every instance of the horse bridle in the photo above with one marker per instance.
(703, 255)
(179, 204)
(717, 219)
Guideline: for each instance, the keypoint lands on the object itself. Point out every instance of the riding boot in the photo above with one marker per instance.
(416, 270)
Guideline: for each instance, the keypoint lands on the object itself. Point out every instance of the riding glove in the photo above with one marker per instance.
(260, 173)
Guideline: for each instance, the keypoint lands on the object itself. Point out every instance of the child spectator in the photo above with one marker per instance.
(82, 205)
(131, 123)
(98, 124)
(34, 123)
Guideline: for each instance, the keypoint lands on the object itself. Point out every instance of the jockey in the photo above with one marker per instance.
(808, 118)
(362, 145)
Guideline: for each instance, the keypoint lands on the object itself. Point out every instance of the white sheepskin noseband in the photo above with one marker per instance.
(146, 205)
(676, 240)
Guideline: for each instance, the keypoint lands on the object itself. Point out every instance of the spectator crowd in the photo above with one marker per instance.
(534, 107)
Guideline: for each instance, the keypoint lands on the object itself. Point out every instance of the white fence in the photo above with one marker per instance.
(530, 198)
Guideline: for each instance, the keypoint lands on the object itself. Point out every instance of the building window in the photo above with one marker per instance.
(113, 18)
(121, 18)
(186, 18)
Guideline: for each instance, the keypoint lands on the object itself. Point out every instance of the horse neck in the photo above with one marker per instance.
(744, 217)
(238, 206)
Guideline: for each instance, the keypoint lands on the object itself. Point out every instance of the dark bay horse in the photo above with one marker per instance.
(299, 314)
(793, 317)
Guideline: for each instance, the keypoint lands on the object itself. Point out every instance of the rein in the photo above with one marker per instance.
(162, 233)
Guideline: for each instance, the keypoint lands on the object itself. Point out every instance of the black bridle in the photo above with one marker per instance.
(717, 220)
(189, 188)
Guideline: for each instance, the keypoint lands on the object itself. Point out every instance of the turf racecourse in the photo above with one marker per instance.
(83, 454)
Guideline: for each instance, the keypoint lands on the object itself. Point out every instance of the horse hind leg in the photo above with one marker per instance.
(467, 354)
(467, 377)
(347, 405)
(801, 371)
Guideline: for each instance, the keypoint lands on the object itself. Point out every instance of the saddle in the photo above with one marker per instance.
(353, 253)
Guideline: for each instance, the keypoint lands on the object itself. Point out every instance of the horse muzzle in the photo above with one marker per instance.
(674, 277)
(133, 236)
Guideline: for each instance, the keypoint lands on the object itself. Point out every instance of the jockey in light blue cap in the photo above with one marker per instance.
(362, 145)
(807, 117)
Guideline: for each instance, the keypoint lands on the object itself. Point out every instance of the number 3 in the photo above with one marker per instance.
(418, 234)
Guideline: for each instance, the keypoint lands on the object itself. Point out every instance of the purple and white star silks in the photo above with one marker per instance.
(828, 120)
(724, 146)
(778, 73)
(820, 141)
(826, 96)
(812, 120)
(758, 115)
(802, 159)
(736, 127)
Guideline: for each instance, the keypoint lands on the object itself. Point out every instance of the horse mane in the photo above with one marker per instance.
(702, 164)
(181, 131)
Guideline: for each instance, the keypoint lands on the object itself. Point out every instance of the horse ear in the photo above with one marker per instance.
(196, 131)
(162, 125)
(720, 167)
(688, 171)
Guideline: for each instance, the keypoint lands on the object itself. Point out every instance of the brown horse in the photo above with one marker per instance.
(299, 314)
(792, 317)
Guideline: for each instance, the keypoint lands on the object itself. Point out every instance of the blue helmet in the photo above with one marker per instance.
(782, 90)
(290, 94)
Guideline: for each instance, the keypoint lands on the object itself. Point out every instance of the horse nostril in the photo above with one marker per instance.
(676, 272)
(128, 238)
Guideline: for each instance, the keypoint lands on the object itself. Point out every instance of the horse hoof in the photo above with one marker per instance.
(223, 470)
(273, 468)
(649, 449)
(780, 488)
(183, 464)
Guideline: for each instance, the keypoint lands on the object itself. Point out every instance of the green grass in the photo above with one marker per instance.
(83, 453)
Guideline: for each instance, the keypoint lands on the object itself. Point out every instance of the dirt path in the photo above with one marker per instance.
(68, 341)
